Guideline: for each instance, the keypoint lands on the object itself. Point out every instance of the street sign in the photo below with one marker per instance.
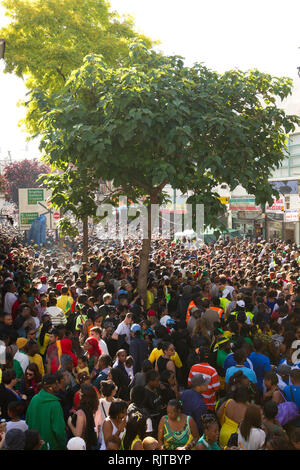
(34, 202)
(224, 200)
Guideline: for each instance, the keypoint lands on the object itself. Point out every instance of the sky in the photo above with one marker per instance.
(262, 34)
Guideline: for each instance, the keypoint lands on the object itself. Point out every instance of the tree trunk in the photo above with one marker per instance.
(144, 255)
(85, 244)
(143, 269)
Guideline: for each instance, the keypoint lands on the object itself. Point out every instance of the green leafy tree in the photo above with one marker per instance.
(155, 121)
(47, 39)
(73, 191)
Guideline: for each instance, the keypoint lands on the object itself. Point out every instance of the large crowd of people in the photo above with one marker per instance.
(209, 360)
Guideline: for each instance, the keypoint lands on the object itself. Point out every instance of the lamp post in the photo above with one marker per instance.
(2, 48)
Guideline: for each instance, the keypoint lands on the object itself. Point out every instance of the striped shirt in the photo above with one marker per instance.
(208, 372)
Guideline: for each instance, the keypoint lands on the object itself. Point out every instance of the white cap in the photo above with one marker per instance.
(241, 303)
(76, 443)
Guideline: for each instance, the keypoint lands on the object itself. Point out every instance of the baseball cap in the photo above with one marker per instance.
(49, 379)
(170, 321)
(76, 443)
(241, 303)
(284, 369)
(124, 292)
(15, 439)
(43, 279)
(199, 379)
(135, 327)
(59, 286)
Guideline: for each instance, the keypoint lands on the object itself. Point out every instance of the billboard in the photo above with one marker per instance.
(277, 206)
(285, 187)
(34, 202)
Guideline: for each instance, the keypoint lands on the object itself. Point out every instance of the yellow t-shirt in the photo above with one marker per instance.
(150, 299)
(64, 302)
(156, 353)
(37, 359)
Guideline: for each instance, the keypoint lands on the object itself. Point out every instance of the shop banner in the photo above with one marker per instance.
(292, 215)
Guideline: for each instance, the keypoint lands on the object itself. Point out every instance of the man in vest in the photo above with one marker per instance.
(241, 309)
(224, 304)
(213, 313)
(195, 302)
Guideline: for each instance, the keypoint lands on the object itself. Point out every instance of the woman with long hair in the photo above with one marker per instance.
(82, 423)
(121, 381)
(250, 434)
(135, 432)
(30, 384)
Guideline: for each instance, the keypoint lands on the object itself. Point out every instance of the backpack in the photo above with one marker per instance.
(287, 411)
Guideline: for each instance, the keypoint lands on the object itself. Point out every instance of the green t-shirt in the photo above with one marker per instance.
(221, 356)
(80, 320)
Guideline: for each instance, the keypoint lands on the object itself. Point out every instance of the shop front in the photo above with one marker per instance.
(249, 223)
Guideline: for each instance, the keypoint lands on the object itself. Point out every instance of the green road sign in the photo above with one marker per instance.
(26, 218)
(35, 195)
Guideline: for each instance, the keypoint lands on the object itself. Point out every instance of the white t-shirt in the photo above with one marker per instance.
(16, 425)
(255, 440)
(124, 329)
(9, 300)
(227, 290)
(104, 406)
(43, 288)
(103, 346)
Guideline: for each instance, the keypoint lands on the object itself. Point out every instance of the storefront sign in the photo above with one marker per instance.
(277, 206)
(243, 204)
(292, 215)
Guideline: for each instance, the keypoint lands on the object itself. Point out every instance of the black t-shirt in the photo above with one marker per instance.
(167, 394)
(153, 402)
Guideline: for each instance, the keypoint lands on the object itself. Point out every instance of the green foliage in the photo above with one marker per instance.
(72, 191)
(66, 227)
(47, 39)
(154, 122)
